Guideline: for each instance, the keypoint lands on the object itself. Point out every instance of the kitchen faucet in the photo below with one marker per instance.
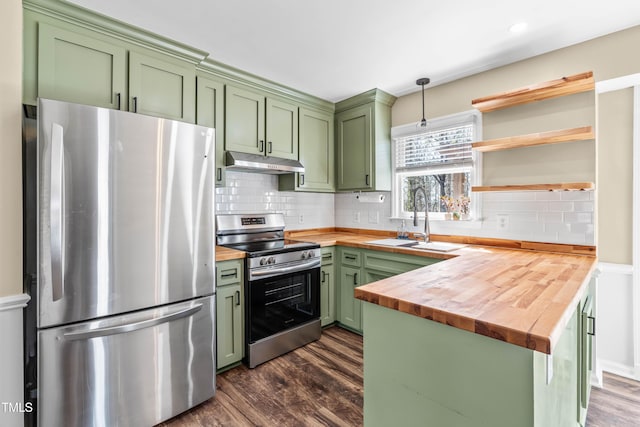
(427, 234)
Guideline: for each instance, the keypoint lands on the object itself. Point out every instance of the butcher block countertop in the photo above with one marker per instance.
(522, 293)
(226, 254)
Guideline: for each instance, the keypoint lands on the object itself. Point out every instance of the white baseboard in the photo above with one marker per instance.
(11, 374)
(621, 370)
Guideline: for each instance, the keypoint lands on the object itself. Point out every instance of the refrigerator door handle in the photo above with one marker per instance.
(130, 327)
(56, 211)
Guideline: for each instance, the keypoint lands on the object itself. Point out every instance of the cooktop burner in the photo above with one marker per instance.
(257, 249)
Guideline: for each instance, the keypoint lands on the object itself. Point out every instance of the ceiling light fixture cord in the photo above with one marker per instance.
(422, 82)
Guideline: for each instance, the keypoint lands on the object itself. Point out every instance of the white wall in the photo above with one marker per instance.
(11, 300)
(614, 327)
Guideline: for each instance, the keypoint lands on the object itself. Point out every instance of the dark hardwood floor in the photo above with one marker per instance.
(321, 385)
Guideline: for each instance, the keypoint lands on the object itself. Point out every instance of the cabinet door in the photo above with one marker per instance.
(210, 112)
(350, 307)
(160, 88)
(354, 149)
(327, 295)
(587, 323)
(282, 129)
(77, 68)
(229, 325)
(244, 121)
(316, 151)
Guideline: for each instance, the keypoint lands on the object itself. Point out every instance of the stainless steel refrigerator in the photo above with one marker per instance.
(119, 263)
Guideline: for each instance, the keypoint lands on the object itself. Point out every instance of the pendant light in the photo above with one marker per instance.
(422, 82)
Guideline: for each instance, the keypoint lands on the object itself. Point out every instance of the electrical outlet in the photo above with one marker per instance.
(374, 217)
(503, 222)
(356, 216)
(300, 218)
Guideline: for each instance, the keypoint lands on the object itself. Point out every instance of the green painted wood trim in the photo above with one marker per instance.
(85, 18)
(236, 76)
(373, 95)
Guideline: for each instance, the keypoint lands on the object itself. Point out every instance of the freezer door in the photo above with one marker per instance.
(125, 212)
(133, 370)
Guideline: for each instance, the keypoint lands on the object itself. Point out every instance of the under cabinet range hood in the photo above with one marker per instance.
(245, 162)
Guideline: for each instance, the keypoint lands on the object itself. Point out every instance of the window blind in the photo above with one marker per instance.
(441, 148)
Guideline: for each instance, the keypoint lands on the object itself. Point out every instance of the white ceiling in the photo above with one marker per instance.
(338, 48)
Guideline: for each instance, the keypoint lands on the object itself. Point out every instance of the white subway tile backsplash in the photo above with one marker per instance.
(556, 217)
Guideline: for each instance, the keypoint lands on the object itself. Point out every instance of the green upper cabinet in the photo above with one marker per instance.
(363, 142)
(161, 88)
(256, 124)
(77, 68)
(210, 112)
(102, 63)
(244, 121)
(316, 153)
(282, 129)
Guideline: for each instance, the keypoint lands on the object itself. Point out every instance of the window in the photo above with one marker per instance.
(439, 160)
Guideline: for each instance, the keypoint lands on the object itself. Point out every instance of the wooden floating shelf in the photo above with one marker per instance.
(567, 186)
(577, 83)
(541, 138)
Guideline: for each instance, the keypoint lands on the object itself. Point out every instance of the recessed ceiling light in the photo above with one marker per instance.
(518, 27)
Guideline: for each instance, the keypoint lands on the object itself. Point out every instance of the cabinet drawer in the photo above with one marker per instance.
(352, 258)
(327, 255)
(229, 272)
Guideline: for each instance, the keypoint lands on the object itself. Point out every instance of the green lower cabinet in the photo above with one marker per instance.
(350, 308)
(585, 351)
(327, 287)
(361, 266)
(436, 375)
(229, 313)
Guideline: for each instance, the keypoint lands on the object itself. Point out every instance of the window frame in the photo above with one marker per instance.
(451, 120)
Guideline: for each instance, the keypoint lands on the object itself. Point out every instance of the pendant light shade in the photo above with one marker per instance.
(423, 82)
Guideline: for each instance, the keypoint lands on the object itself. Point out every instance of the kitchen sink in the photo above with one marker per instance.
(414, 244)
(438, 246)
(393, 242)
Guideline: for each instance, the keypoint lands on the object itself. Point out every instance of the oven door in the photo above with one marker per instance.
(281, 302)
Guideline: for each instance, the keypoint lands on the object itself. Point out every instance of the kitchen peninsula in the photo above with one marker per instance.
(489, 336)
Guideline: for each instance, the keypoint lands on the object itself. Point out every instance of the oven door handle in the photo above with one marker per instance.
(282, 270)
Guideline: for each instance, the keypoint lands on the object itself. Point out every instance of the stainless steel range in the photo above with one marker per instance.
(282, 287)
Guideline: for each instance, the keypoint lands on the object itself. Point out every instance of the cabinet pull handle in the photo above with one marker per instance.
(366, 179)
(324, 274)
(237, 297)
(233, 273)
(327, 256)
(270, 145)
(135, 104)
(593, 326)
(355, 278)
(261, 146)
(118, 101)
(350, 257)
(219, 174)
(301, 179)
